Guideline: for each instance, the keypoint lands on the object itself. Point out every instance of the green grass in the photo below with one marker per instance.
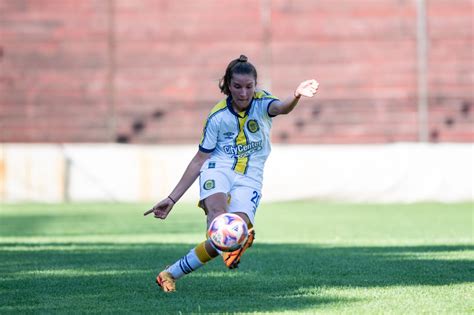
(309, 257)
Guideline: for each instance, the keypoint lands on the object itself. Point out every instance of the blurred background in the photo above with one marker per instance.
(106, 99)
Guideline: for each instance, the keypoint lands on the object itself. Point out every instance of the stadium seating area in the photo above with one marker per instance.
(147, 71)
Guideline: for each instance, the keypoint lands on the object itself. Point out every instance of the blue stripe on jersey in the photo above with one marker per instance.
(236, 158)
(248, 157)
(268, 106)
(202, 149)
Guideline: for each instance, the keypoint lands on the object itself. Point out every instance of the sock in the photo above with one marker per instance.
(185, 265)
(193, 260)
(202, 253)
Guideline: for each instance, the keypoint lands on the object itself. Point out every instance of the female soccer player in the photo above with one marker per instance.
(232, 152)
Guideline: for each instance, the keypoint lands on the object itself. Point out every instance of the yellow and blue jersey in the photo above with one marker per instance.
(240, 141)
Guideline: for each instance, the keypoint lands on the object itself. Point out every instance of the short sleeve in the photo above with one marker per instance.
(266, 100)
(267, 107)
(209, 135)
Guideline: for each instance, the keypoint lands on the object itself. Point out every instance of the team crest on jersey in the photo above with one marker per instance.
(209, 184)
(252, 126)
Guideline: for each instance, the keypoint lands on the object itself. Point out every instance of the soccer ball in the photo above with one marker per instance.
(228, 232)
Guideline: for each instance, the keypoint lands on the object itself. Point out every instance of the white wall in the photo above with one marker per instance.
(403, 172)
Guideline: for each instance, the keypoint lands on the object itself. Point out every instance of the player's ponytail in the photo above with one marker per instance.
(237, 66)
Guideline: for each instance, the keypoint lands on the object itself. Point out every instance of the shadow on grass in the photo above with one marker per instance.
(282, 277)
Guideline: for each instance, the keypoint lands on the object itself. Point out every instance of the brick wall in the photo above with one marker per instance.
(146, 71)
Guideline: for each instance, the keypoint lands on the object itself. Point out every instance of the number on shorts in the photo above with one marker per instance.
(256, 198)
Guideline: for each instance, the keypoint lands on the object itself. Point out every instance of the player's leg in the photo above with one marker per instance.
(244, 202)
(190, 262)
(213, 205)
(232, 259)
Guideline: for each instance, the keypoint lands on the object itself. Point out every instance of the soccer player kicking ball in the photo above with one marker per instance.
(232, 152)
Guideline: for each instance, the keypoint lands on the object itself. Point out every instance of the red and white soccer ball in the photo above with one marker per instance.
(228, 232)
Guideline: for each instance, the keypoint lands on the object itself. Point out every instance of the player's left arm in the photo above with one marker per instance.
(306, 88)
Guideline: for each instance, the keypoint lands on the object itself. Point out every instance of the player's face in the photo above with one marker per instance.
(242, 88)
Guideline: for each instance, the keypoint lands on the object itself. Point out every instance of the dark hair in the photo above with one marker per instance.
(236, 66)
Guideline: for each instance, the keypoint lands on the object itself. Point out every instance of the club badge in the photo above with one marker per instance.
(252, 126)
(209, 184)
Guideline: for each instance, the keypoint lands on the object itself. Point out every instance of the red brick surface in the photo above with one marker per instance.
(146, 71)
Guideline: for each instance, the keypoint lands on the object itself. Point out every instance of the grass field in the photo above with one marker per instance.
(309, 257)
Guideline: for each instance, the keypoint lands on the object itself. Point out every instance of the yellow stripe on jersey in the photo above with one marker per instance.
(242, 162)
(263, 94)
(219, 106)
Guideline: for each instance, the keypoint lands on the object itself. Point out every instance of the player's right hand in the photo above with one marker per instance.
(161, 209)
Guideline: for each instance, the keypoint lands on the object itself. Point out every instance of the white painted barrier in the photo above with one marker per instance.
(403, 172)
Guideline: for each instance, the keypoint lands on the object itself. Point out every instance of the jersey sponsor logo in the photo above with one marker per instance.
(212, 165)
(252, 126)
(209, 184)
(243, 150)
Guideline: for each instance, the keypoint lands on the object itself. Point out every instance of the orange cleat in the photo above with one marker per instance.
(166, 281)
(232, 259)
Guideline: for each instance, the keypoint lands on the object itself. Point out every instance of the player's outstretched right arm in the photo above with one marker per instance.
(306, 88)
(162, 208)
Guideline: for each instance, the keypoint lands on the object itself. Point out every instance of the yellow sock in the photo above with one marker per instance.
(202, 253)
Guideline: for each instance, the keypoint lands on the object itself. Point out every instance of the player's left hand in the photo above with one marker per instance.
(307, 88)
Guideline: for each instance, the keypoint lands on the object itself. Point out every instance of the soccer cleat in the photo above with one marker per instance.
(232, 259)
(166, 281)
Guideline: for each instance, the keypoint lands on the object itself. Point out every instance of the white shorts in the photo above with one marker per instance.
(245, 193)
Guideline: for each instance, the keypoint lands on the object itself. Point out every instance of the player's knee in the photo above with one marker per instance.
(215, 209)
(215, 205)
